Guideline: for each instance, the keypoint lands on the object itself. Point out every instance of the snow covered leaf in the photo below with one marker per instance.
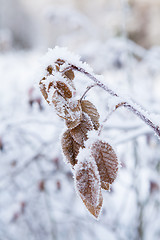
(43, 89)
(79, 133)
(87, 181)
(73, 124)
(107, 162)
(95, 211)
(70, 147)
(74, 116)
(73, 112)
(60, 104)
(69, 74)
(63, 89)
(69, 110)
(49, 69)
(92, 112)
(60, 62)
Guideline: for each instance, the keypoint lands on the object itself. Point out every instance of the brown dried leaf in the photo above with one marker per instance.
(79, 133)
(69, 74)
(87, 182)
(49, 86)
(95, 211)
(43, 89)
(106, 161)
(70, 147)
(49, 69)
(60, 61)
(73, 124)
(57, 67)
(92, 112)
(63, 89)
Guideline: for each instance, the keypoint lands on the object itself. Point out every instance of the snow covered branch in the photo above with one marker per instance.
(130, 106)
(93, 160)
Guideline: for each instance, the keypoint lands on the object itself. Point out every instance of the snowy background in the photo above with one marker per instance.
(121, 41)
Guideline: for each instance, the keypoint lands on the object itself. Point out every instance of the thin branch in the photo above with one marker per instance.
(88, 88)
(113, 110)
(125, 104)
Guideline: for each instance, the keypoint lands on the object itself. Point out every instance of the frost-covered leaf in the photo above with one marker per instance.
(63, 89)
(92, 112)
(43, 89)
(73, 124)
(107, 162)
(60, 104)
(69, 110)
(79, 133)
(73, 113)
(69, 74)
(49, 69)
(95, 211)
(60, 61)
(87, 181)
(70, 147)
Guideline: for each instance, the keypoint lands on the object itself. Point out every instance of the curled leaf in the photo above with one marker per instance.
(92, 112)
(106, 161)
(79, 133)
(87, 182)
(43, 89)
(70, 148)
(60, 61)
(49, 69)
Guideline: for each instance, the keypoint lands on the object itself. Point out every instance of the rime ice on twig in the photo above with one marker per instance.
(126, 104)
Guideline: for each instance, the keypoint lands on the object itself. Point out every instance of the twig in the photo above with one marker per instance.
(125, 104)
(88, 88)
(115, 108)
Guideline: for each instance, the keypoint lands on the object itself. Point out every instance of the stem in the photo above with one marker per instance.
(88, 88)
(115, 108)
(125, 104)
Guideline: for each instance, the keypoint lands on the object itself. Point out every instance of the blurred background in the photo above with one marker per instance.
(120, 39)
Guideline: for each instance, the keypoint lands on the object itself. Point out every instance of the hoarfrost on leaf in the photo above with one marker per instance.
(106, 161)
(87, 182)
(70, 148)
(92, 112)
(79, 133)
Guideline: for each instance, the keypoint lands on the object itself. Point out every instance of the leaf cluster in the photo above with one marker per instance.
(98, 168)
